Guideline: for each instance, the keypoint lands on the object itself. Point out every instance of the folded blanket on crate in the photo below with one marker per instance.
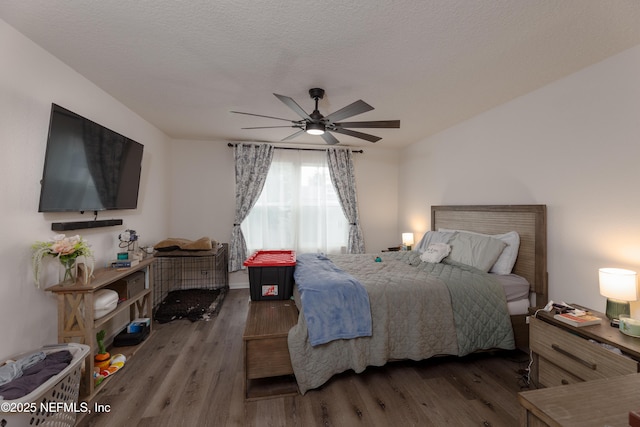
(176, 247)
(335, 305)
(173, 243)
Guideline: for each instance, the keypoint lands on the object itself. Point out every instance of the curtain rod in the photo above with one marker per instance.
(300, 149)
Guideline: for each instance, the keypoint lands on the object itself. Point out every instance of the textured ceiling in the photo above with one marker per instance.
(183, 65)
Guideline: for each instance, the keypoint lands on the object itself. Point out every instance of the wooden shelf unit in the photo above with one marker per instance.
(76, 321)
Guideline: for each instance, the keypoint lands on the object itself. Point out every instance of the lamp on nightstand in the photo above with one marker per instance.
(620, 287)
(407, 240)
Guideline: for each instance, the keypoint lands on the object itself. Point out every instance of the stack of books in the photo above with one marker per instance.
(124, 263)
(578, 321)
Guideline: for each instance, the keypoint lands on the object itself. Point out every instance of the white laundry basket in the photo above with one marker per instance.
(55, 402)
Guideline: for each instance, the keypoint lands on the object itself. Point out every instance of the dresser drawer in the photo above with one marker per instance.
(130, 286)
(577, 356)
(550, 375)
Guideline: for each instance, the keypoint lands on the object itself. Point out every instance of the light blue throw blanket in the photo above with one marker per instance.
(334, 304)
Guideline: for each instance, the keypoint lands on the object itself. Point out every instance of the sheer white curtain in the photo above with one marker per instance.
(298, 208)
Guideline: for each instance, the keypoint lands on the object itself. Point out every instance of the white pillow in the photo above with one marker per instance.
(431, 237)
(476, 250)
(507, 259)
(436, 252)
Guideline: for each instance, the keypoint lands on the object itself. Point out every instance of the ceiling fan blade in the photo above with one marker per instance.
(270, 127)
(353, 109)
(373, 124)
(293, 135)
(289, 102)
(329, 139)
(260, 115)
(365, 136)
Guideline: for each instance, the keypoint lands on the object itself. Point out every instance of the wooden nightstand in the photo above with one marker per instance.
(267, 365)
(605, 402)
(563, 354)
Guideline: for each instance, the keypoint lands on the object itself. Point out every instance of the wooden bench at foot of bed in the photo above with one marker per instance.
(267, 365)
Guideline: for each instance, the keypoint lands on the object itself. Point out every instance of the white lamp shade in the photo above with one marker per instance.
(407, 239)
(618, 283)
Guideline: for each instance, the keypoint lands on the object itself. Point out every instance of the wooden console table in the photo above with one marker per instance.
(76, 313)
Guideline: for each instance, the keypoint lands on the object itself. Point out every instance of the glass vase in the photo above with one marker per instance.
(69, 271)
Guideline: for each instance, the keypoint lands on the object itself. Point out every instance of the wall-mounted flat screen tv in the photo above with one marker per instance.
(88, 167)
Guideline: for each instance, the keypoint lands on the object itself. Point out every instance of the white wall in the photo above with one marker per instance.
(573, 145)
(30, 80)
(203, 194)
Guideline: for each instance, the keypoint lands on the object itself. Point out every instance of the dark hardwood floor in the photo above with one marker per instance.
(191, 374)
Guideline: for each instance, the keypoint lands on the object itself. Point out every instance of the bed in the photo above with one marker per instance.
(417, 309)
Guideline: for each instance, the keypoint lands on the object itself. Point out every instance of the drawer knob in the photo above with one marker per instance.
(564, 352)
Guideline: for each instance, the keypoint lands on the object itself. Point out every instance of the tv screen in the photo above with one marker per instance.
(88, 167)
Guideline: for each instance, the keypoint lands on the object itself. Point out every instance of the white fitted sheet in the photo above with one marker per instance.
(520, 306)
(516, 289)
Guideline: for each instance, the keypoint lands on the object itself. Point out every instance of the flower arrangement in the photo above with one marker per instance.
(66, 249)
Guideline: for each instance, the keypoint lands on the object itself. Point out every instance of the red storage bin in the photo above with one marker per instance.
(271, 274)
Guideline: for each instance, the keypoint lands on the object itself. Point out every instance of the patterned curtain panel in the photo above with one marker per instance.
(252, 165)
(341, 169)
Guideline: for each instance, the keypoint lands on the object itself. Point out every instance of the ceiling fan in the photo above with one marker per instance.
(317, 124)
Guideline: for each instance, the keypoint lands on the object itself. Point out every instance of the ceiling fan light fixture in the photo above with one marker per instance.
(315, 128)
(317, 124)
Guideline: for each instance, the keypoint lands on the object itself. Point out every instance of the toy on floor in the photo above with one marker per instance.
(101, 360)
(116, 363)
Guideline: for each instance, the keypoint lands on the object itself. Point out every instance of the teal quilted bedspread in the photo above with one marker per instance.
(418, 310)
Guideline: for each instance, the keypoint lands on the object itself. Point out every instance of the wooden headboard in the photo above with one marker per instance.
(529, 221)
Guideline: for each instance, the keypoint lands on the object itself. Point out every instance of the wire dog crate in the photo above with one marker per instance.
(193, 270)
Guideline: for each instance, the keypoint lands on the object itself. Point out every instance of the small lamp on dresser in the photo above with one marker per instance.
(620, 287)
(407, 241)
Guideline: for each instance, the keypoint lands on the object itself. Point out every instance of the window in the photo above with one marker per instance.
(298, 208)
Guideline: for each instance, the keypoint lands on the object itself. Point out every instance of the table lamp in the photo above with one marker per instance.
(620, 287)
(407, 240)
